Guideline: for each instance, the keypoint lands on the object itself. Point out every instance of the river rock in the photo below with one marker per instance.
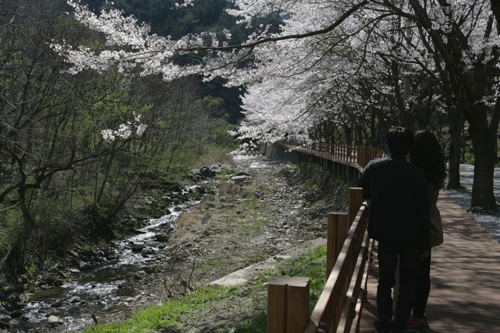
(16, 313)
(150, 269)
(139, 275)
(195, 172)
(87, 253)
(215, 169)
(162, 238)
(54, 321)
(74, 299)
(54, 270)
(147, 250)
(137, 248)
(74, 254)
(3, 310)
(240, 179)
(205, 171)
(4, 321)
(53, 312)
(56, 304)
(85, 266)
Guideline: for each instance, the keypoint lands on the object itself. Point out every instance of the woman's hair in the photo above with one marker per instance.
(427, 155)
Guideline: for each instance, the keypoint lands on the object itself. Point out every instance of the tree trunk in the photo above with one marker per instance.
(456, 126)
(484, 166)
(15, 258)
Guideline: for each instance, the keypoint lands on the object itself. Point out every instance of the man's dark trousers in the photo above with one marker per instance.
(389, 254)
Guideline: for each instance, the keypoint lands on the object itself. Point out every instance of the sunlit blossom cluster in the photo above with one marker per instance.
(297, 84)
(125, 131)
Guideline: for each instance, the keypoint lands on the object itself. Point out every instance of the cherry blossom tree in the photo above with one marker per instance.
(428, 56)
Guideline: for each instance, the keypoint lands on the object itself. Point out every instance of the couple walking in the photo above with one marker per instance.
(406, 223)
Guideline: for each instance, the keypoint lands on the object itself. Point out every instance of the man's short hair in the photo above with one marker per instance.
(399, 140)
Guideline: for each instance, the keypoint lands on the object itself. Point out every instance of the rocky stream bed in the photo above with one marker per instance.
(230, 218)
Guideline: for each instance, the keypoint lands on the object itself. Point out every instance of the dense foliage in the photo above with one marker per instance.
(60, 180)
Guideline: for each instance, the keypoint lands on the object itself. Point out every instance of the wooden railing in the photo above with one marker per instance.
(349, 248)
(340, 304)
(356, 156)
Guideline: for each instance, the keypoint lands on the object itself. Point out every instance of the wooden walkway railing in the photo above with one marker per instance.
(465, 272)
(339, 306)
(355, 156)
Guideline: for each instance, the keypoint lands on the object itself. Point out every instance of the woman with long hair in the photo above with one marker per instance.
(427, 155)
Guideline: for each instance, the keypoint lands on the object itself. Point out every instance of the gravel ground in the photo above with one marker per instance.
(489, 220)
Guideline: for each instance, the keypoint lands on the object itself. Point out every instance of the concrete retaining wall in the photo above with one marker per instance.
(278, 152)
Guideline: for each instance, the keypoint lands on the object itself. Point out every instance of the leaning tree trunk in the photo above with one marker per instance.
(15, 258)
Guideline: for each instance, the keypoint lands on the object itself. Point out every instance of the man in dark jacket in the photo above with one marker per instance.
(399, 221)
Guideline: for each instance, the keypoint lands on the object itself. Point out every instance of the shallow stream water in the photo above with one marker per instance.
(103, 284)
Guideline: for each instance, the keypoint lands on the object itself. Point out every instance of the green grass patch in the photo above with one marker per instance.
(312, 266)
(174, 312)
(169, 314)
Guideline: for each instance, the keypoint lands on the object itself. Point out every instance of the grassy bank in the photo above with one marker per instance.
(177, 314)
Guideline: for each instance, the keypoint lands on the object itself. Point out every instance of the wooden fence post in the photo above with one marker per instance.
(355, 201)
(337, 233)
(287, 304)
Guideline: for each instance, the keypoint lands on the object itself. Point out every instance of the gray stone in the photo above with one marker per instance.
(137, 248)
(74, 299)
(85, 266)
(4, 321)
(205, 171)
(54, 270)
(148, 250)
(87, 253)
(139, 275)
(55, 321)
(56, 304)
(162, 238)
(53, 312)
(16, 313)
(240, 179)
(74, 254)
(150, 269)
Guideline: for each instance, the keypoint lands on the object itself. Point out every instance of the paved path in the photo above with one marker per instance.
(465, 275)
(467, 177)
